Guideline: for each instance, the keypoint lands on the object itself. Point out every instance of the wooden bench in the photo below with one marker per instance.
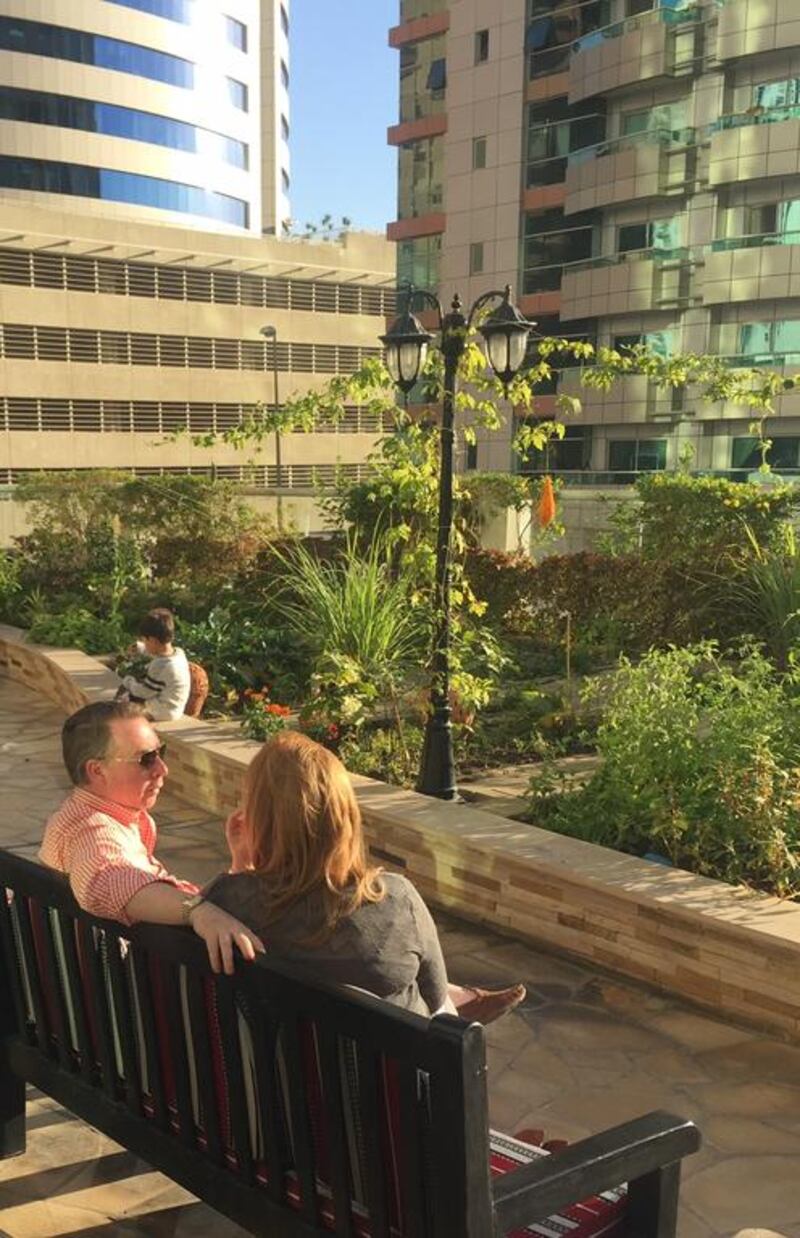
(293, 1107)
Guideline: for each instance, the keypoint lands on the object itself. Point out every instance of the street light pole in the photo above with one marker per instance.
(505, 332)
(271, 333)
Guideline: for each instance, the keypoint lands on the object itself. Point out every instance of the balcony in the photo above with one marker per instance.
(748, 27)
(662, 43)
(752, 268)
(653, 164)
(627, 283)
(755, 145)
(633, 398)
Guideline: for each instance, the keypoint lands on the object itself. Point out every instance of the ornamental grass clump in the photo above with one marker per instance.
(701, 764)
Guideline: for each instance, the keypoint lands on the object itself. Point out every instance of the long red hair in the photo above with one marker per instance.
(305, 828)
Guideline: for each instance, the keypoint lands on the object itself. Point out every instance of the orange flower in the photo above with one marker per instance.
(547, 504)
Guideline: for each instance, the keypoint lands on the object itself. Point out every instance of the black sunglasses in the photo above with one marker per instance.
(146, 759)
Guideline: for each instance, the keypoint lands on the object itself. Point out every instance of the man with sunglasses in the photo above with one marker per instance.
(103, 836)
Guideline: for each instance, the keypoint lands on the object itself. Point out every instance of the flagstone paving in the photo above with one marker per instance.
(584, 1051)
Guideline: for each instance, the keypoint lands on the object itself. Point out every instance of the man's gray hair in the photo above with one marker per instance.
(86, 734)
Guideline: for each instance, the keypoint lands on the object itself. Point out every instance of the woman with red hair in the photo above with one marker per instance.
(300, 878)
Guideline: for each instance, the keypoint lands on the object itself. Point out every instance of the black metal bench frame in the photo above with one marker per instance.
(462, 1201)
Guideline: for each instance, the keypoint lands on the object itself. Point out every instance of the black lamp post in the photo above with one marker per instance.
(271, 333)
(505, 332)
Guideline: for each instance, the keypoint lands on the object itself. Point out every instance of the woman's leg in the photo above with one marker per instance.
(484, 1005)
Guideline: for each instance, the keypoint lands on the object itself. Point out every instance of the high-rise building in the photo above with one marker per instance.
(162, 110)
(632, 168)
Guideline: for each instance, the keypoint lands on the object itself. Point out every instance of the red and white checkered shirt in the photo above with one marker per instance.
(106, 850)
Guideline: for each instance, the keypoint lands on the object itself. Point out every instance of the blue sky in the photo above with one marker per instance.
(343, 95)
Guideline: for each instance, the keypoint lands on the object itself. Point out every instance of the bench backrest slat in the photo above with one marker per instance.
(414, 1120)
(230, 1035)
(100, 1018)
(31, 963)
(178, 1053)
(15, 986)
(265, 1053)
(196, 995)
(120, 995)
(330, 1066)
(370, 1066)
(151, 1052)
(294, 1048)
(67, 930)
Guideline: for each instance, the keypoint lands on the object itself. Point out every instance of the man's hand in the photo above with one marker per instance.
(238, 842)
(221, 933)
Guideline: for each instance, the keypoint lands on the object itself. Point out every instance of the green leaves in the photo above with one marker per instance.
(701, 763)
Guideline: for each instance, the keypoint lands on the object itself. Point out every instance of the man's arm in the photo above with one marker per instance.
(161, 903)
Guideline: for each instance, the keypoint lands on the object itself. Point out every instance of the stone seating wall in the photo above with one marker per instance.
(731, 951)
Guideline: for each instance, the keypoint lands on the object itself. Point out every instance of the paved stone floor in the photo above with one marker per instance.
(585, 1051)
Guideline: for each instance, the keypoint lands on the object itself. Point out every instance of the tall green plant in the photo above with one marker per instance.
(762, 588)
(367, 641)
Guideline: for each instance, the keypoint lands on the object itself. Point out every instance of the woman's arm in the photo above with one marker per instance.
(432, 975)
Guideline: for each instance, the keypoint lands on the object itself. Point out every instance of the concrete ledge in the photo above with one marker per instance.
(731, 951)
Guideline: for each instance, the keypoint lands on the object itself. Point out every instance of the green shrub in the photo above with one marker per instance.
(241, 652)
(11, 595)
(78, 628)
(701, 763)
(682, 519)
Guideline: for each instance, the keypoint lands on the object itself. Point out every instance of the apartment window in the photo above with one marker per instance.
(423, 78)
(471, 457)
(478, 153)
(237, 33)
(45, 176)
(669, 117)
(437, 75)
(173, 10)
(237, 93)
(637, 455)
(554, 131)
(766, 342)
(554, 27)
(656, 234)
(421, 177)
(570, 454)
(41, 108)
(476, 258)
(550, 241)
(638, 6)
(481, 46)
(285, 182)
(284, 128)
(784, 93)
(784, 453)
(660, 342)
(40, 39)
(284, 21)
(418, 261)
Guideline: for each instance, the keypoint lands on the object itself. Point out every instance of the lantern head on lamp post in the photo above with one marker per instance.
(505, 332)
(406, 343)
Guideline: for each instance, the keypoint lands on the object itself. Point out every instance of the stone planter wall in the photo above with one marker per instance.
(733, 952)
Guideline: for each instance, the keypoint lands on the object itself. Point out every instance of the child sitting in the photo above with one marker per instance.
(166, 683)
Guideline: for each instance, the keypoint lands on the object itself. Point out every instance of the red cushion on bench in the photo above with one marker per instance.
(600, 1215)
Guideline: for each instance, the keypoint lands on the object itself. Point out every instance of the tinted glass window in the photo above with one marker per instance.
(237, 33)
(85, 182)
(175, 10)
(39, 108)
(237, 93)
(39, 39)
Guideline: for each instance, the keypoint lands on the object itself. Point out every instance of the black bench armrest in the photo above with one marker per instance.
(622, 1154)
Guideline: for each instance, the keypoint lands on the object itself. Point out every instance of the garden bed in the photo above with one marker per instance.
(730, 950)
